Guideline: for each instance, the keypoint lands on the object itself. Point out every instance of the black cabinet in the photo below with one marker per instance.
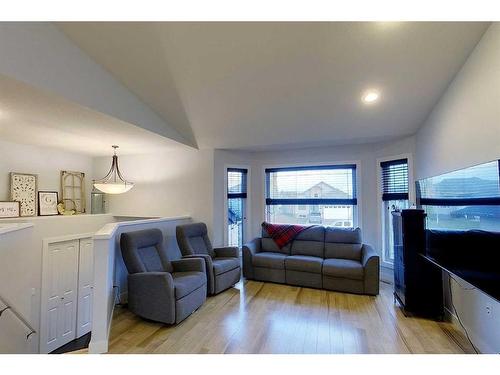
(418, 285)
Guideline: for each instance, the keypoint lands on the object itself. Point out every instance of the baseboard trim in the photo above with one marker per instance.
(100, 347)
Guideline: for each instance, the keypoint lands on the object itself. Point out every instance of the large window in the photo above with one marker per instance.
(394, 197)
(312, 195)
(465, 199)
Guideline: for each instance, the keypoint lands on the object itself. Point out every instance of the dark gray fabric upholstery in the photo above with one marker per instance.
(343, 285)
(343, 268)
(226, 280)
(193, 241)
(310, 241)
(344, 264)
(269, 274)
(371, 265)
(344, 243)
(143, 251)
(304, 263)
(151, 296)
(268, 244)
(227, 252)
(307, 279)
(249, 250)
(269, 260)
(222, 265)
(189, 303)
(209, 269)
(186, 282)
(153, 288)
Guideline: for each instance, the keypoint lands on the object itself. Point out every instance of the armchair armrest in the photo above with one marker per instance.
(209, 267)
(371, 265)
(189, 265)
(227, 252)
(249, 250)
(151, 295)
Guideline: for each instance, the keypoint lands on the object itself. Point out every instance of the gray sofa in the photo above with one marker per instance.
(318, 257)
(222, 264)
(159, 289)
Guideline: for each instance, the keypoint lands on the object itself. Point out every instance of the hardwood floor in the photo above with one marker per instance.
(260, 317)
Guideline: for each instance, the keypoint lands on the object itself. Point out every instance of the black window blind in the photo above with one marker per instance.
(478, 185)
(236, 183)
(311, 185)
(394, 180)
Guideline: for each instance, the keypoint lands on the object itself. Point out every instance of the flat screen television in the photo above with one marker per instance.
(463, 224)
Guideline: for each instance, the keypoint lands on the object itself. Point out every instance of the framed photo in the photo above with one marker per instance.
(23, 187)
(10, 209)
(47, 203)
(73, 191)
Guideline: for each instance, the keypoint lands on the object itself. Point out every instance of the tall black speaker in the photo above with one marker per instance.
(418, 285)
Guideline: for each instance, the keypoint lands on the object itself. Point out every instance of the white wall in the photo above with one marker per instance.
(366, 155)
(166, 184)
(21, 259)
(39, 54)
(464, 127)
(464, 130)
(47, 163)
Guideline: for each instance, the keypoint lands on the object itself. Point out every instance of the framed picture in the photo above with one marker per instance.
(73, 191)
(23, 189)
(47, 203)
(10, 209)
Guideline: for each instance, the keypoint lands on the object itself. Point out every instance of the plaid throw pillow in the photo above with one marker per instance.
(282, 234)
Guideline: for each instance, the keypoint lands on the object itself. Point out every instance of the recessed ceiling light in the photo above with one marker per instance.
(370, 96)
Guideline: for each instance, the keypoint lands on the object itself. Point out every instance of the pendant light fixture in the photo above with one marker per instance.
(113, 182)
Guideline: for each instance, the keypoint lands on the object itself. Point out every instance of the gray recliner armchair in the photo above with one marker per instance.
(159, 289)
(222, 264)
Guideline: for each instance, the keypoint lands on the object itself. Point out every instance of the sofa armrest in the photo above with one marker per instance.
(227, 252)
(249, 250)
(189, 265)
(151, 295)
(371, 265)
(253, 246)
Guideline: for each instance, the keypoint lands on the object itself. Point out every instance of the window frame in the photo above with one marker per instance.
(380, 203)
(248, 211)
(357, 208)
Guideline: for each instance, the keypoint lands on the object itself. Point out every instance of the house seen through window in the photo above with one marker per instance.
(312, 195)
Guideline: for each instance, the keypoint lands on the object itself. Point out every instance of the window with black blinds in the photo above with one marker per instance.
(474, 186)
(394, 180)
(314, 185)
(236, 183)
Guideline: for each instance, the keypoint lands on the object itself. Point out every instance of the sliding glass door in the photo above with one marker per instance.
(236, 205)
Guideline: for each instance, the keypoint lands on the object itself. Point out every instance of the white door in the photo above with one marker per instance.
(59, 294)
(85, 287)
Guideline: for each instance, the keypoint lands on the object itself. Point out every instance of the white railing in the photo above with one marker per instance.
(10, 330)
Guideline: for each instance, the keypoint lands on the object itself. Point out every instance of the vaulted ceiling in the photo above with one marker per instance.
(261, 85)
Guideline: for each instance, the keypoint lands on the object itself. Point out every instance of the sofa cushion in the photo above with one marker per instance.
(310, 241)
(187, 282)
(303, 263)
(269, 260)
(268, 244)
(222, 264)
(343, 243)
(343, 268)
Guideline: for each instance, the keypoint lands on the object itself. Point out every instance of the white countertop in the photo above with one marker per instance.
(11, 227)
